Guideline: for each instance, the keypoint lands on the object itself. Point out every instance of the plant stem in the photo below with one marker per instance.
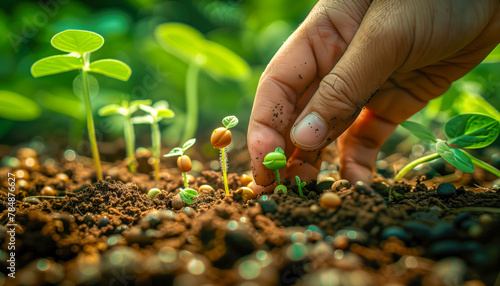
(191, 100)
(224, 171)
(277, 177)
(130, 142)
(155, 138)
(185, 176)
(484, 165)
(415, 163)
(90, 120)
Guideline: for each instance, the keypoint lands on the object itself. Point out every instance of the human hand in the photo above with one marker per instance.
(354, 70)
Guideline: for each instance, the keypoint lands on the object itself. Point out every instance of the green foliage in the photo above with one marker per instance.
(187, 195)
(281, 188)
(178, 151)
(468, 131)
(230, 121)
(14, 106)
(300, 185)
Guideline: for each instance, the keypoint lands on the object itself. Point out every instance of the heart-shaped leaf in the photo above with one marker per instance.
(112, 68)
(422, 132)
(188, 144)
(230, 121)
(14, 106)
(472, 130)
(56, 64)
(79, 41)
(177, 151)
(455, 157)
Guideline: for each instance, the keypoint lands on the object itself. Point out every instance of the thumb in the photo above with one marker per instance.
(378, 48)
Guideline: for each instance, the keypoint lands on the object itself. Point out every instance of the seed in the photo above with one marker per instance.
(48, 191)
(177, 202)
(245, 180)
(153, 193)
(221, 137)
(329, 200)
(184, 163)
(340, 184)
(205, 189)
(22, 174)
(62, 177)
(22, 184)
(246, 193)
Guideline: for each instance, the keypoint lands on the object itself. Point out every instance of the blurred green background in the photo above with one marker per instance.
(253, 29)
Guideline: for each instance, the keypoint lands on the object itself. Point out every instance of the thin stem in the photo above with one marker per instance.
(484, 165)
(185, 176)
(155, 138)
(415, 163)
(277, 177)
(130, 142)
(224, 172)
(191, 100)
(90, 121)
(46, 197)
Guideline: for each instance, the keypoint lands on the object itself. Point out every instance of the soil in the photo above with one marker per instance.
(111, 233)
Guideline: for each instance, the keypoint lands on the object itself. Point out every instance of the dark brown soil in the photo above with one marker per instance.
(111, 233)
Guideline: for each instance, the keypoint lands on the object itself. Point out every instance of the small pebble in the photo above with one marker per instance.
(245, 180)
(177, 202)
(104, 221)
(330, 200)
(340, 184)
(48, 191)
(267, 204)
(121, 229)
(446, 190)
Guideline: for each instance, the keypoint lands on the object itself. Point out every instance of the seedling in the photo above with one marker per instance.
(79, 44)
(153, 193)
(300, 185)
(469, 131)
(126, 110)
(274, 161)
(155, 114)
(221, 137)
(184, 165)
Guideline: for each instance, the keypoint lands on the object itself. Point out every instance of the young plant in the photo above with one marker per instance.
(126, 110)
(184, 165)
(155, 114)
(221, 137)
(79, 44)
(274, 161)
(469, 131)
(300, 185)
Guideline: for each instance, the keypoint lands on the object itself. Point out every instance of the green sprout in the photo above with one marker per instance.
(300, 185)
(274, 161)
(153, 193)
(200, 54)
(469, 131)
(221, 138)
(126, 110)
(79, 44)
(155, 114)
(184, 165)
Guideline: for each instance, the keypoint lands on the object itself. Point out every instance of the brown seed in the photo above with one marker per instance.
(221, 137)
(24, 153)
(329, 200)
(22, 184)
(245, 180)
(246, 193)
(22, 174)
(48, 191)
(341, 242)
(177, 202)
(62, 177)
(205, 189)
(184, 163)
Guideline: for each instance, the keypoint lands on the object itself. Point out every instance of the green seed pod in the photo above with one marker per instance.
(275, 160)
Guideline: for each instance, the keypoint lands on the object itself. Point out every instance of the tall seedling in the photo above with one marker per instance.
(79, 44)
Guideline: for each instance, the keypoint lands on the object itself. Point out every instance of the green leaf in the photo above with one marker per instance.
(14, 106)
(149, 109)
(77, 41)
(165, 113)
(230, 121)
(420, 131)
(161, 104)
(93, 86)
(494, 56)
(110, 109)
(189, 44)
(297, 180)
(455, 157)
(472, 130)
(136, 103)
(146, 119)
(188, 144)
(55, 64)
(186, 198)
(177, 151)
(112, 68)
(190, 193)
(279, 150)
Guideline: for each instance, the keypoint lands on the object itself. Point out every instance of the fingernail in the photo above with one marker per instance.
(310, 131)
